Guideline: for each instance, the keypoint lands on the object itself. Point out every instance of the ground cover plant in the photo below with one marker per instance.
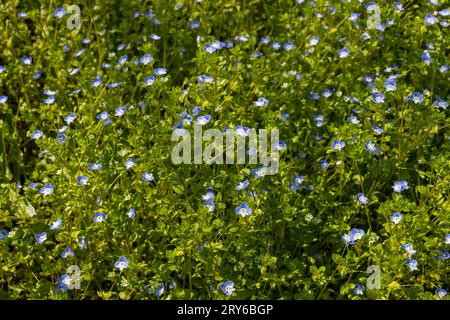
(93, 207)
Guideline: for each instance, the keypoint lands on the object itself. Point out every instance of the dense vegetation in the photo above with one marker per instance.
(92, 206)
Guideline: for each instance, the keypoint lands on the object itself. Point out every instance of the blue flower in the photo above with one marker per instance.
(378, 98)
(121, 264)
(56, 224)
(242, 131)
(147, 177)
(343, 53)
(47, 189)
(323, 164)
(416, 97)
(242, 185)
(314, 40)
(160, 290)
(95, 166)
(130, 163)
(83, 180)
(284, 116)
(396, 217)
(150, 80)
(293, 186)
(227, 287)
(202, 120)
(49, 100)
(359, 289)
(441, 293)
(409, 249)
(430, 20)
(2, 69)
(26, 60)
(426, 58)
(160, 71)
(440, 103)
(131, 213)
(61, 138)
(70, 118)
(445, 255)
(338, 145)
(82, 243)
(146, 59)
(99, 217)
(261, 102)
(66, 253)
(259, 172)
(120, 111)
(447, 239)
(123, 59)
(412, 264)
(243, 209)
(37, 134)
(3, 234)
(3, 99)
(288, 46)
(377, 129)
(194, 24)
(361, 198)
(96, 82)
(399, 186)
(280, 145)
(59, 13)
(103, 116)
(390, 85)
(319, 120)
(41, 237)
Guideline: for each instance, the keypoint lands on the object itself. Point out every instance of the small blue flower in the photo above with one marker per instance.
(131, 214)
(361, 198)
(3, 99)
(430, 20)
(56, 224)
(146, 59)
(130, 163)
(2, 69)
(194, 24)
(150, 80)
(227, 287)
(359, 289)
(243, 209)
(96, 82)
(120, 111)
(37, 74)
(288, 46)
(338, 145)
(412, 264)
(41, 237)
(3, 234)
(416, 97)
(47, 189)
(284, 116)
(390, 85)
(59, 13)
(319, 120)
(343, 53)
(314, 40)
(323, 164)
(242, 185)
(82, 243)
(378, 98)
(259, 172)
(293, 186)
(61, 138)
(147, 177)
(82, 180)
(447, 239)
(26, 60)
(160, 291)
(261, 102)
(95, 166)
(396, 217)
(66, 253)
(409, 249)
(70, 118)
(103, 116)
(202, 120)
(378, 130)
(440, 103)
(99, 217)
(399, 186)
(441, 293)
(121, 264)
(445, 255)
(160, 71)
(37, 134)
